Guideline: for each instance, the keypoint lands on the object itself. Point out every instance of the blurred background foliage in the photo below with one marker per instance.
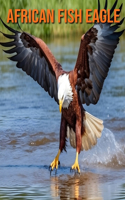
(56, 29)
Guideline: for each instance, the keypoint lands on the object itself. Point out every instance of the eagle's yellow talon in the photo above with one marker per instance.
(55, 162)
(75, 166)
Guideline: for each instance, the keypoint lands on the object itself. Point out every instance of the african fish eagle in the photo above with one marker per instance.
(70, 90)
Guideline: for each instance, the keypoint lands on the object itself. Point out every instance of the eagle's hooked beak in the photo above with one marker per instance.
(60, 105)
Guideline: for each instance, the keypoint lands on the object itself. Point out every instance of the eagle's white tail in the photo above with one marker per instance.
(92, 130)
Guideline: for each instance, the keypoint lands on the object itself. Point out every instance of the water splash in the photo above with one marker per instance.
(107, 151)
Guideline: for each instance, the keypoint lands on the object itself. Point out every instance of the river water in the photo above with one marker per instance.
(29, 135)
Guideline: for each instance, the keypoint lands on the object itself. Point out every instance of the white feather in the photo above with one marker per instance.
(65, 90)
(20, 41)
(93, 129)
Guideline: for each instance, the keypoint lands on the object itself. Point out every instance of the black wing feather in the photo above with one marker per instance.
(118, 12)
(99, 44)
(33, 59)
(98, 7)
(105, 5)
(113, 7)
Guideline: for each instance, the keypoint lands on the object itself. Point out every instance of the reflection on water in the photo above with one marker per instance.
(85, 186)
(29, 135)
(23, 193)
(121, 193)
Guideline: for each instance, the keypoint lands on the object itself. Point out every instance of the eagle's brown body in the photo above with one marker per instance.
(86, 79)
(73, 116)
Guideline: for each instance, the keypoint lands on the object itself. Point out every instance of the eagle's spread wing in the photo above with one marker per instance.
(94, 59)
(35, 58)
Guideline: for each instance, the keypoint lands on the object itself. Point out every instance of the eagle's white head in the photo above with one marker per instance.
(65, 94)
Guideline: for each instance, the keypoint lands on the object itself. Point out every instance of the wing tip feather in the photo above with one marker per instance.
(9, 28)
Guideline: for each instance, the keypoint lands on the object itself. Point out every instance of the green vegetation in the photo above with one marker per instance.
(55, 29)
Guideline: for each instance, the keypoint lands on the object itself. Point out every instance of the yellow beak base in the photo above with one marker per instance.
(60, 105)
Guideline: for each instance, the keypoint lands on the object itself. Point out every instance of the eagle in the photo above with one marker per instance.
(82, 85)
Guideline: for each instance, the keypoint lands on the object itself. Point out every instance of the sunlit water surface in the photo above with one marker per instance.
(29, 135)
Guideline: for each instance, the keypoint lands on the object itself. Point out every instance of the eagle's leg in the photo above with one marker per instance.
(63, 129)
(55, 162)
(75, 166)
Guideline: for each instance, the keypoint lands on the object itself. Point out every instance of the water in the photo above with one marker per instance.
(29, 135)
